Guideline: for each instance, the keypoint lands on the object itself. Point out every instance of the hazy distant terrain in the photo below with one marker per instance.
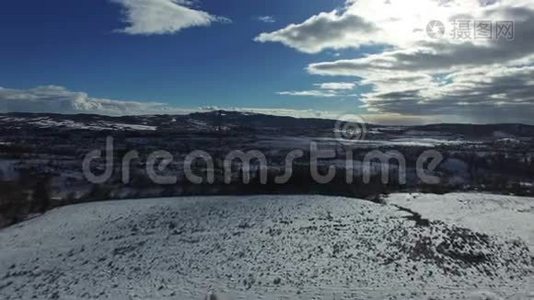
(41, 156)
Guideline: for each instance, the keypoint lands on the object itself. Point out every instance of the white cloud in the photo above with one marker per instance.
(336, 85)
(396, 23)
(267, 19)
(327, 30)
(147, 17)
(479, 80)
(57, 99)
(310, 93)
(325, 90)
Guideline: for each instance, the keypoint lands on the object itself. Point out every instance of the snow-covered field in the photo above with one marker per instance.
(303, 142)
(505, 216)
(270, 247)
(47, 122)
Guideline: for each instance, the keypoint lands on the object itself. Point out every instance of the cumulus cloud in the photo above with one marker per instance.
(326, 30)
(57, 99)
(147, 17)
(417, 73)
(396, 23)
(483, 94)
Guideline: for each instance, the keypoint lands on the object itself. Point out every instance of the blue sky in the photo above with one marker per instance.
(73, 44)
(320, 58)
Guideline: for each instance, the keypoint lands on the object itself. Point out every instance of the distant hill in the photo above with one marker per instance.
(228, 120)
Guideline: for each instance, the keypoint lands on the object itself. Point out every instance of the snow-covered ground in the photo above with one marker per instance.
(47, 122)
(260, 247)
(303, 142)
(506, 216)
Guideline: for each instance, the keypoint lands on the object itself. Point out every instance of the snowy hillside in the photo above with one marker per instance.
(505, 216)
(268, 247)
